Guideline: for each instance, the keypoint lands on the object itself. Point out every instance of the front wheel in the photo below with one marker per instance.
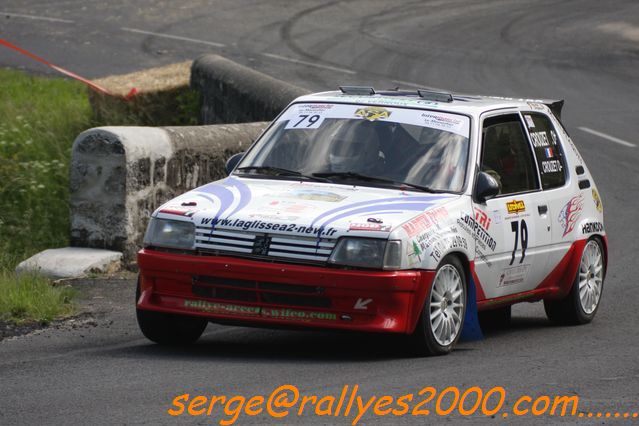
(168, 329)
(442, 318)
(581, 304)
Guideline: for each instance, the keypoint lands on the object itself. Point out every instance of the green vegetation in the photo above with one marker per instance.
(31, 298)
(40, 118)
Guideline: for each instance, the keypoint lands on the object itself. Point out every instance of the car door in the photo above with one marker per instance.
(564, 202)
(513, 227)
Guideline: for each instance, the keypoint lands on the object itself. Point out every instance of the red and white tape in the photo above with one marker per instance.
(88, 82)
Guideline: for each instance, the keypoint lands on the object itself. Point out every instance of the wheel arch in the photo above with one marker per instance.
(603, 239)
(466, 267)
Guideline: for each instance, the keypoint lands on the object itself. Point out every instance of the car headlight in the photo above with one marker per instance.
(367, 253)
(170, 234)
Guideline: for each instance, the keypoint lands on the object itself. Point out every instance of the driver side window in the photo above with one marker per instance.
(506, 154)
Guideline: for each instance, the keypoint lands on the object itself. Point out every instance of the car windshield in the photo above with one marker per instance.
(369, 145)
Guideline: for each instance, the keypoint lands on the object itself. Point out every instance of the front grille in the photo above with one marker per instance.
(259, 292)
(260, 245)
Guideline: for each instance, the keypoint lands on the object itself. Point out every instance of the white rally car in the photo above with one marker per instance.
(396, 211)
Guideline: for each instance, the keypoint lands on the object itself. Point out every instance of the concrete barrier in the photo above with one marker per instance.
(232, 93)
(119, 175)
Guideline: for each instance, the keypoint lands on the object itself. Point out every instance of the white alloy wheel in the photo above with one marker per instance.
(590, 277)
(446, 305)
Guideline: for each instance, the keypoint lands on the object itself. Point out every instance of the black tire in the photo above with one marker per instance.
(495, 318)
(570, 309)
(423, 341)
(168, 329)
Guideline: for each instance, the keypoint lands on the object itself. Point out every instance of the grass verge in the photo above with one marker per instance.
(27, 298)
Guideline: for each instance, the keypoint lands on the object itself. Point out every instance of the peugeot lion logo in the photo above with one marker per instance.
(261, 245)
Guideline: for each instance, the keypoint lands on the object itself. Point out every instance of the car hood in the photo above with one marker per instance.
(299, 208)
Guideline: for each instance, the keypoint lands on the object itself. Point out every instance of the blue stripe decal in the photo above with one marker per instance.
(245, 194)
(225, 196)
(221, 191)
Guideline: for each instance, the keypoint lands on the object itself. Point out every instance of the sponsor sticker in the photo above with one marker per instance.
(536, 105)
(425, 220)
(263, 226)
(592, 227)
(314, 195)
(178, 211)
(258, 311)
(512, 276)
(597, 200)
(369, 227)
(497, 216)
(414, 252)
(515, 206)
(221, 308)
(372, 113)
(482, 218)
(529, 121)
(448, 122)
(273, 216)
(470, 225)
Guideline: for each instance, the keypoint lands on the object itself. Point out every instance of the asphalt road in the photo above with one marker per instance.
(586, 52)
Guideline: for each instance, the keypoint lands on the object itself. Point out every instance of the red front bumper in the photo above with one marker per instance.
(254, 292)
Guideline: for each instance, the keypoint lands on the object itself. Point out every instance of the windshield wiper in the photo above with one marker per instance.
(278, 171)
(361, 177)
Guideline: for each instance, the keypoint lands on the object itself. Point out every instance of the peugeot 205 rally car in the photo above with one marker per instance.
(388, 212)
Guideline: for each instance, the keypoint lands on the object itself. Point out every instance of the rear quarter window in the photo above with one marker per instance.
(548, 150)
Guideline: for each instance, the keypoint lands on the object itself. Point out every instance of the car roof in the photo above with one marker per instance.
(430, 99)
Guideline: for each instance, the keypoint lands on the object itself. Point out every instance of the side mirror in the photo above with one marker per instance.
(486, 187)
(232, 162)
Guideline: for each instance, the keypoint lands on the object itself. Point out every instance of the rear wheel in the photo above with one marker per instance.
(581, 304)
(442, 318)
(168, 329)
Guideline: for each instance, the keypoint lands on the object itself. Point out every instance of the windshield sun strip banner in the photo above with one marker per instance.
(312, 115)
